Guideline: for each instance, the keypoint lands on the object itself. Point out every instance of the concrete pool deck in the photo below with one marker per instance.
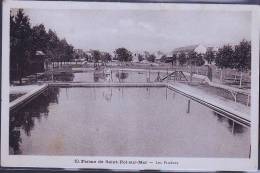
(29, 91)
(236, 111)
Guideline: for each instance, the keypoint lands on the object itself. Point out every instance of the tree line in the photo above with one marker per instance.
(26, 40)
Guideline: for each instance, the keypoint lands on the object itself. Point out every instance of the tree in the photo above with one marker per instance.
(224, 58)
(182, 58)
(123, 55)
(199, 60)
(53, 46)
(174, 59)
(40, 38)
(195, 59)
(151, 57)
(106, 57)
(209, 56)
(20, 44)
(96, 55)
(140, 57)
(242, 58)
(26, 40)
(65, 50)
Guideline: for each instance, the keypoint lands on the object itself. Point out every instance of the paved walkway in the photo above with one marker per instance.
(29, 92)
(226, 104)
(22, 89)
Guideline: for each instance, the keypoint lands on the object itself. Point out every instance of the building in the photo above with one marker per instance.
(198, 48)
(37, 62)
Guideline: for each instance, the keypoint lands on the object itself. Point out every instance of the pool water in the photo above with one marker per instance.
(122, 121)
(116, 77)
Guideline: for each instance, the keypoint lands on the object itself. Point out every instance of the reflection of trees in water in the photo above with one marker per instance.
(107, 94)
(24, 117)
(63, 76)
(232, 126)
(121, 76)
(98, 75)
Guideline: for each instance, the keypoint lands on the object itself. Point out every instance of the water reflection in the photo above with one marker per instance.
(97, 75)
(114, 76)
(121, 76)
(107, 94)
(231, 125)
(111, 117)
(62, 76)
(24, 118)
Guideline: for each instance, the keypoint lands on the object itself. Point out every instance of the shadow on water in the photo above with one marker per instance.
(24, 117)
(231, 125)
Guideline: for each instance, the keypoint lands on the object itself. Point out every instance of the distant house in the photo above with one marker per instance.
(198, 48)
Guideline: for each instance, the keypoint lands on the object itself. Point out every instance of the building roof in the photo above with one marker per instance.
(186, 48)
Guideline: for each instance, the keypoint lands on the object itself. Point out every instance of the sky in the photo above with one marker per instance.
(140, 30)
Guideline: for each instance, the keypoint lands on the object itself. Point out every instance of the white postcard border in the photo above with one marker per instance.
(183, 163)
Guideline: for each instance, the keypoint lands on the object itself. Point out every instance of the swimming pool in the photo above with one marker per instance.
(123, 121)
(115, 76)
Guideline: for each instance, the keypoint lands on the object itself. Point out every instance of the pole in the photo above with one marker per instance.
(188, 109)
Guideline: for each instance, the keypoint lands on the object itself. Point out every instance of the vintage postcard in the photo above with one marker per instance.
(138, 86)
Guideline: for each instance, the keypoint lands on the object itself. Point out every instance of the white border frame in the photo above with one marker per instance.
(183, 163)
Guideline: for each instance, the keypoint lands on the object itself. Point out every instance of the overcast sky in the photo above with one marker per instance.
(140, 30)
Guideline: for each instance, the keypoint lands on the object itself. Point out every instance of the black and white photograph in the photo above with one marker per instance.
(129, 85)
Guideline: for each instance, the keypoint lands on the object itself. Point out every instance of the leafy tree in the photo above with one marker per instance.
(199, 60)
(209, 56)
(140, 57)
(163, 59)
(53, 46)
(106, 57)
(65, 50)
(242, 58)
(96, 55)
(123, 55)
(195, 59)
(224, 58)
(21, 44)
(174, 59)
(182, 58)
(151, 57)
(40, 38)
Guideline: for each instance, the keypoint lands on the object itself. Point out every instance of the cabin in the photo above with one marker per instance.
(37, 62)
